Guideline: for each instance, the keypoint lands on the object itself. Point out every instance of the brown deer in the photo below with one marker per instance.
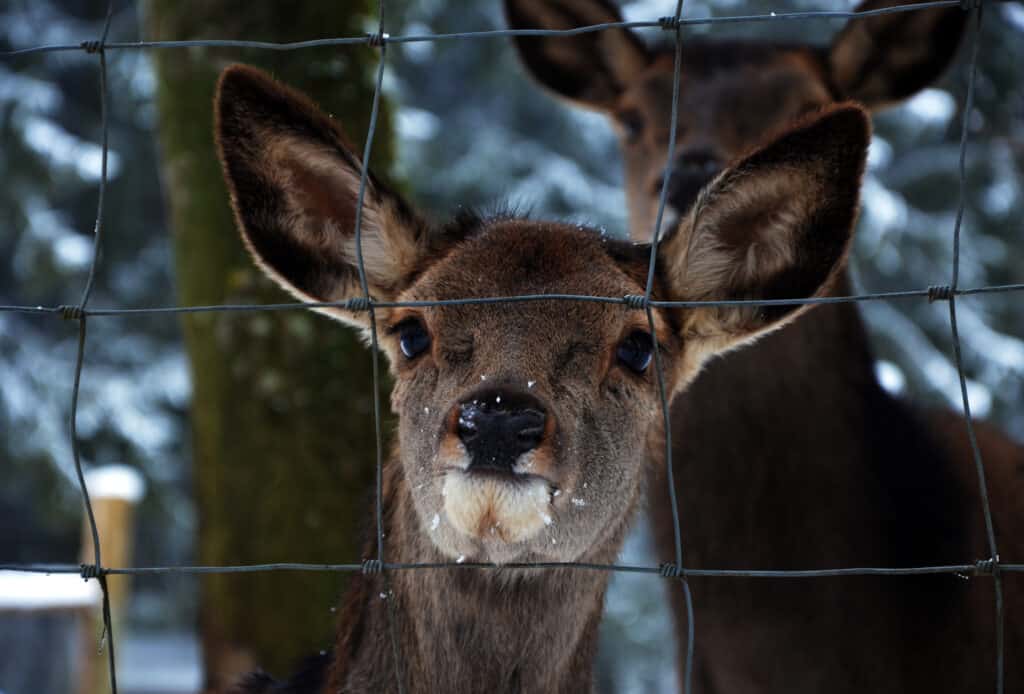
(789, 455)
(525, 429)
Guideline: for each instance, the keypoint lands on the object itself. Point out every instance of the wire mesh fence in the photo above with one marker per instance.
(80, 312)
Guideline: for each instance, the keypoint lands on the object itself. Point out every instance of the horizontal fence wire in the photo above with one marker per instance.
(978, 568)
(934, 293)
(666, 23)
(80, 312)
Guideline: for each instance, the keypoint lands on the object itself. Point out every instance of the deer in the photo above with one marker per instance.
(789, 454)
(524, 431)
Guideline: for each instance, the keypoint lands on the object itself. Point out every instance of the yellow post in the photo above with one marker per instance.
(114, 491)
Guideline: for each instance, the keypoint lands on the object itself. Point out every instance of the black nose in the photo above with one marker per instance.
(691, 171)
(496, 428)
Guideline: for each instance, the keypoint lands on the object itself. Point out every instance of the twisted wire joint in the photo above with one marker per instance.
(87, 571)
(636, 301)
(986, 567)
(372, 566)
(358, 303)
(71, 312)
(669, 570)
(940, 292)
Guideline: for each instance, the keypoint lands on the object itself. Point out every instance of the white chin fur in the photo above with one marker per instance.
(488, 508)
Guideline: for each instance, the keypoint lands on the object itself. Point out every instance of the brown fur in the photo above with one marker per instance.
(733, 94)
(570, 498)
(789, 454)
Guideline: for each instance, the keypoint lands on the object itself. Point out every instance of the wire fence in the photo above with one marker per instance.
(989, 566)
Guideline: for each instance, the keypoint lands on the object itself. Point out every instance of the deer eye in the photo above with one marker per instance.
(413, 338)
(635, 351)
(632, 123)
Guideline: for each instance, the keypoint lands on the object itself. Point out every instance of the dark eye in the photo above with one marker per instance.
(635, 351)
(413, 338)
(632, 123)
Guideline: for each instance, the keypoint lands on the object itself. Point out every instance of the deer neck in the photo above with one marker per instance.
(466, 629)
(796, 433)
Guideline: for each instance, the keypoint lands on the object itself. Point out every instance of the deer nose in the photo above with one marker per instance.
(497, 428)
(691, 171)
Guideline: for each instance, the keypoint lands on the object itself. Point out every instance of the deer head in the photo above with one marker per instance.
(523, 427)
(732, 94)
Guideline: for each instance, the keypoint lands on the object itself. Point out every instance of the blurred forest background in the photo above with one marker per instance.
(464, 126)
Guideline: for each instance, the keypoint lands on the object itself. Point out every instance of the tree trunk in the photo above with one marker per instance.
(283, 441)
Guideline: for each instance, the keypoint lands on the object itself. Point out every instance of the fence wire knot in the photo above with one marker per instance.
(940, 292)
(87, 571)
(669, 570)
(986, 567)
(372, 566)
(92, 46)
(70, 312)
(636, 301)
(377, 40)
(358, 303)
(669, 23)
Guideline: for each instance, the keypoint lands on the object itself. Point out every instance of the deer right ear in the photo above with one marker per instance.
(776, 225)
(887, 58)
(294, 185)
(589, 69)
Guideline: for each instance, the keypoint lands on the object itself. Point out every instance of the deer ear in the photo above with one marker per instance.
(886, 58)
(589, 69)
(294, 185)
(776, 225)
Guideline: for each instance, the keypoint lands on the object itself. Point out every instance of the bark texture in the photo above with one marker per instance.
(283, 443)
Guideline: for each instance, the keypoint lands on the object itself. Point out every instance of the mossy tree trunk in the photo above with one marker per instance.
(283, 442)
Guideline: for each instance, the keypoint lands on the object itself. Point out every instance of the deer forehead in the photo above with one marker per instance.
(522, 257)
(722, 84)
(516, 257)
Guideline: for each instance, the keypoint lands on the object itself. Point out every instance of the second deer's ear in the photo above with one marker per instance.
(294, 185)
(887, 58)
(589, 69)
(776, 225)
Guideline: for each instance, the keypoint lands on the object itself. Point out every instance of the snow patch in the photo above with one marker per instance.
(116, 482)
(932, 107)
(20, 590)
(890, 377)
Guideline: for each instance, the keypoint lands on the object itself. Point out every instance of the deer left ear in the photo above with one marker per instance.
(776, 225)
(294, 187)
(887, 58)
(591, 69)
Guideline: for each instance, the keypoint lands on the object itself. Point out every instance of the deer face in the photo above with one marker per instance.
(726, 106)
(733, 95)
(523, 427)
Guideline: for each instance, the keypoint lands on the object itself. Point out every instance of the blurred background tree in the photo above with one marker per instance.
(470, 128)
(283, 456)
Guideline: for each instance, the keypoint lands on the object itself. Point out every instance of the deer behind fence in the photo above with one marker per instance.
(525, 430)
(790, 455)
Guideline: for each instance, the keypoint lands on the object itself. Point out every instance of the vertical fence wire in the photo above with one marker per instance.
(366, 302)
(376, 567)
(976, 23)
(78, 313)
(677, 63)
